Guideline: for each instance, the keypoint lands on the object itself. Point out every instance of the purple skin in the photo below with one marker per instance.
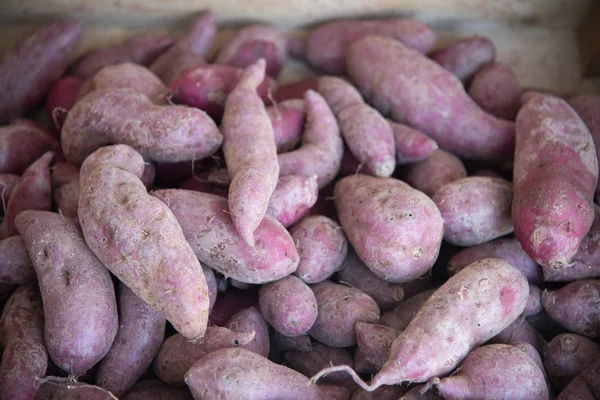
(567, 355)
(439, 169)
(24, 360)
(288, 118)
(534, 301)
(65, 190)
(465, 56)
(29, 70)
(496, 89)
(153, 389)
(8, 183)
(16, 267)
(521, 331)
(400, 317)
(211, 283)
(309, 363)
(141, 332)
(292, 198)
(374, 342)
(576, 307)
(55, 387)
(295, 343)
(60, 100)
(577, 389)
(411, 145)
(334, 392)
(21, 143)
(392, 392)
(251, 320)
(402, 83)
(535, 356)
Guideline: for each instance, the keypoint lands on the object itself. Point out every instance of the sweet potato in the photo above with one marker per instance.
(555, 175)
(399, 317)
(534, 301)
(32, 193)
(24, 360)
(475, 209)
(439, 169)
(496, 89)
(32, 66)
(211, 284)
(288, 118)
(520, 331)
(21, 143)
(411, 145)
(377, 214)
(334, 392)
(309, 363)
(415, 394)
(8, 183)
(587, 382)
(54, 387)
(576, 306)
(231, 301)
(403, 83)
(535, 356)
(566, 356)
(135, 235)
(141, 333)
(465, 56)
(70, 275)
(251, 320)
(340, 308)
(374, 342)
(296, 89)
(322, 146)
(16, 267)
(296, 343)
(577, 389)
(61, 98)
(159, 133)
(394, 392)
(66, 190)
(293, 196)
(153, 389)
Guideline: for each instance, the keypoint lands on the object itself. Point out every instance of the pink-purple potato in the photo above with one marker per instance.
(566, 356)
(138, 239)
(24, 359)
(535, 356)
(399, 317)
(340, 308)
(411, 145)
(388, 392)
(296, 89)
(8, 183)
(496, 89)
(207, 226)
(54, 388)
(16, 267)
(395, 229)
(60, 100)
(591, 377)
(309, 363)
(251, 320)
(30, 69)
(577, 389)
(465, 56)
(429, 175)
(288, 305)
(521, 331)
(292, 198)
(154, 389)
(322, 247)
(288, 118)
(287, 343)
(475, 209)
(211, 284)
(374, 342)
(21, 143)
(534, 301)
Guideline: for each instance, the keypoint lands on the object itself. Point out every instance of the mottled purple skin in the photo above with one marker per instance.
(24, 360)
(140, 49)
(356, 274)
(251, 320)
(16, 267)
(566, 356)
(309, 363)
(374, 342)
(138, 239)
(8, 183)
(439, 169)
(478, 376)
(577, 389)
(292, 198)
(496, 89)
(396, 230)
(32, 193)
(71, 279)
(66, 190)
(588, 108)
(411, 145)
(238, 373)
(475, 209)
(576, 306)
(62, 388)
(322, 145)
(60, 100)
(400, 317)
(521, 331)
(167, 134)
(177, 354)
(208, 228)
(555, 176)
(507, 249)
(21, 143)
(288, 305)
(327, 45)
(251, 44)
(141, 333)
(296, 343)
(534, 301)
(153, 389)
(393, 392)
(288, 118)
(535, 356)
(403, 83)
(30, 69)
(340, 308)
(211, 284)
(465, 56)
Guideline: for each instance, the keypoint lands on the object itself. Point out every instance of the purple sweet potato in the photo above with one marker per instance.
(496, 89)
(478, 376)
(135, 235)
(411, 145)
(70, 275)
(340, 308)
(55, 387)
(238, 373)
(395, 230)
(61, 98)
(534, 301)
(66, 190)
(588, 108)
(288, 118)
(535, 356)
(521, 331)
(309, 363)
(374, 342)
(33, 65)
(403, 83)
(153, 389)
(577, 389)
(21, 143)
(334, 392)
(32, 193)
(141, 333)
(465, 56)
(405, 311)
(296, 89)
(207, 226)
(24, 360)
(591, 378)
(439, 169)
(293, 196)
(16, 267)
(576, 306)
(8, 183)
(555, 175)
(211, 284)
(322, 146)
(159, 133)
(231, 301)
(391, 392)
(566, 356)
(296, 343)
(475, 209)
(253, 43)
(327, 45)
(251, 320)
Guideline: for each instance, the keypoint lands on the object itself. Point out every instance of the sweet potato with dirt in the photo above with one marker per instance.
(292, 198)
(399, 317)
(555, 175)
(30, 69)
(475, 209)
(402, 83)
(24, 360)
(288, 118)
(251, 320)
(295, 343)
(140, 335)
(61, 98)
(8, 183)
(465, 56)
(159, 133)
(377, 214)
(576, 307)
(70, 275)
(437, 170)
(153, 389)
(309, 363)
(16, 267)
(496, 89)
(31, 193)
(411, 145)
(21, 143)
(340, 308)
(374, 342)
(566, 356)
(138, 239)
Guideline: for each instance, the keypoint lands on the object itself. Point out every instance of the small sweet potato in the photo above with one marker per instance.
(61, 98)
(153, 389)
(8, 183)
(439, 169)
(251, 320)
(399, 317)
(231, 301)
(374, 342)
(295, 343)
(309, 363)
(411, 145)
(16, 267)
(465, 56)
(293, 196)
(21, 143)
(288, 118)
(566, 356)
(496, 89)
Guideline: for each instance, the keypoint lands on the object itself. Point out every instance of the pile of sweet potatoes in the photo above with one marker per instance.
(418, 228)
